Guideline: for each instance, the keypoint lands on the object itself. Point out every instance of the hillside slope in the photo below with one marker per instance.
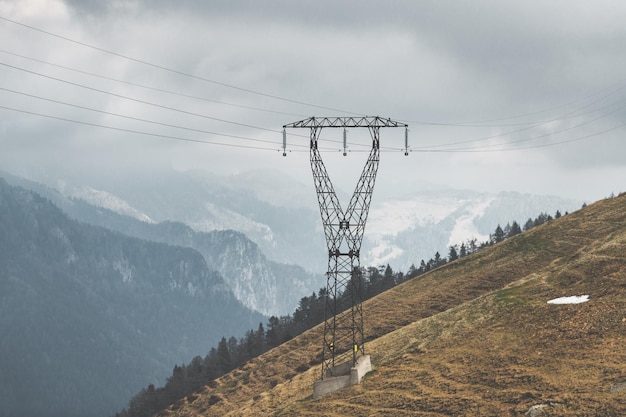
(475, 337)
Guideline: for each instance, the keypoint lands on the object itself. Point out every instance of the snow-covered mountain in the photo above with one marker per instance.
(403, 231)
(102, 199)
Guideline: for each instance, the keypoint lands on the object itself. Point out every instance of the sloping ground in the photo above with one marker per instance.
(475, 337)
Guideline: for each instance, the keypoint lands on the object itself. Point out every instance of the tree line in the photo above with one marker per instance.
(233, 352)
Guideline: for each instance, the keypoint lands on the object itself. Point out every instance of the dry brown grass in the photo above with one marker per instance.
(474, 338)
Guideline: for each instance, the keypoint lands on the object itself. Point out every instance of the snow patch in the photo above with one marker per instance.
(105, 200)
(124, 269)
(393, 217)
(224, 219)
(384, 252)
(192, 289)
(575, 299)
(465, 227)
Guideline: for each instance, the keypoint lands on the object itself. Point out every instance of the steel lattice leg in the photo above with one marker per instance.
(343, 324)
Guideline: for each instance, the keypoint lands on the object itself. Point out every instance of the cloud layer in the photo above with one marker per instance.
(499, 96)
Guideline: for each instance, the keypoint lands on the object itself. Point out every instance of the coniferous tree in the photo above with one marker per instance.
(388, 280)
(507, 230)
(514, 230)
(529, 224)
(498, 235)
(463, 251)
(453, 254)
(472, 246)
(438, 261)
(374, 282)
(273, 335)
(224, 359)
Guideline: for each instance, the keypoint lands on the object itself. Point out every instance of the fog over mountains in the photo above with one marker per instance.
(279, 254)
(406, 224)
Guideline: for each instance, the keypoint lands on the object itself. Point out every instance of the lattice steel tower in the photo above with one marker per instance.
(343, 322)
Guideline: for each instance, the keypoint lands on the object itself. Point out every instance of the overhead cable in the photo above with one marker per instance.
(147, 87)
(174, 71)
(141, 119)
(134, 131)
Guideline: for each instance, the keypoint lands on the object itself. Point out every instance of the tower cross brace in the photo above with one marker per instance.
(343, 318)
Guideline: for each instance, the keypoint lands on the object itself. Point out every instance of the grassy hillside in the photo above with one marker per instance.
(475, 337)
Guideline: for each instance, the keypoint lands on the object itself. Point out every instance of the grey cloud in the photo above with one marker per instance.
(420, 61)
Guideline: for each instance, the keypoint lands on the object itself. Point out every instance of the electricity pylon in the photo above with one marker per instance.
(343, 319)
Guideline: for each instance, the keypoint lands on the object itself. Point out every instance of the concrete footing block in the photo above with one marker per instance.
(353, 376)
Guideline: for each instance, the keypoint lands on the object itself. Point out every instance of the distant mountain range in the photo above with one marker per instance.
(281, 217)
(89, 315)
(269, 287)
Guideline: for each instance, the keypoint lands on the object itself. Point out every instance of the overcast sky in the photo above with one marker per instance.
(499, 95)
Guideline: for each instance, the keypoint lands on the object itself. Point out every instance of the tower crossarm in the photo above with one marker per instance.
(365, 121)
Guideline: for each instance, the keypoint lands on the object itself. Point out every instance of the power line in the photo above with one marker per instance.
(543, 145)
(138, 100)
(474, 149)
(150, 87)
(135, 131)
(140, 119)
(174, 71)
(535, 137)
(464, 124)
(164, 68)
(154, 104)
(468, 150)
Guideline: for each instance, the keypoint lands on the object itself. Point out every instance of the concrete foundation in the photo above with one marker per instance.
(352, 376)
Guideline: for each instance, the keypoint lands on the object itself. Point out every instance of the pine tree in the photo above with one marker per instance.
(529, 224)
(498, 235)
(463, 251)
(438, 261)
(514, 230)
(388, 279)
(453, 254)
(224, 360)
